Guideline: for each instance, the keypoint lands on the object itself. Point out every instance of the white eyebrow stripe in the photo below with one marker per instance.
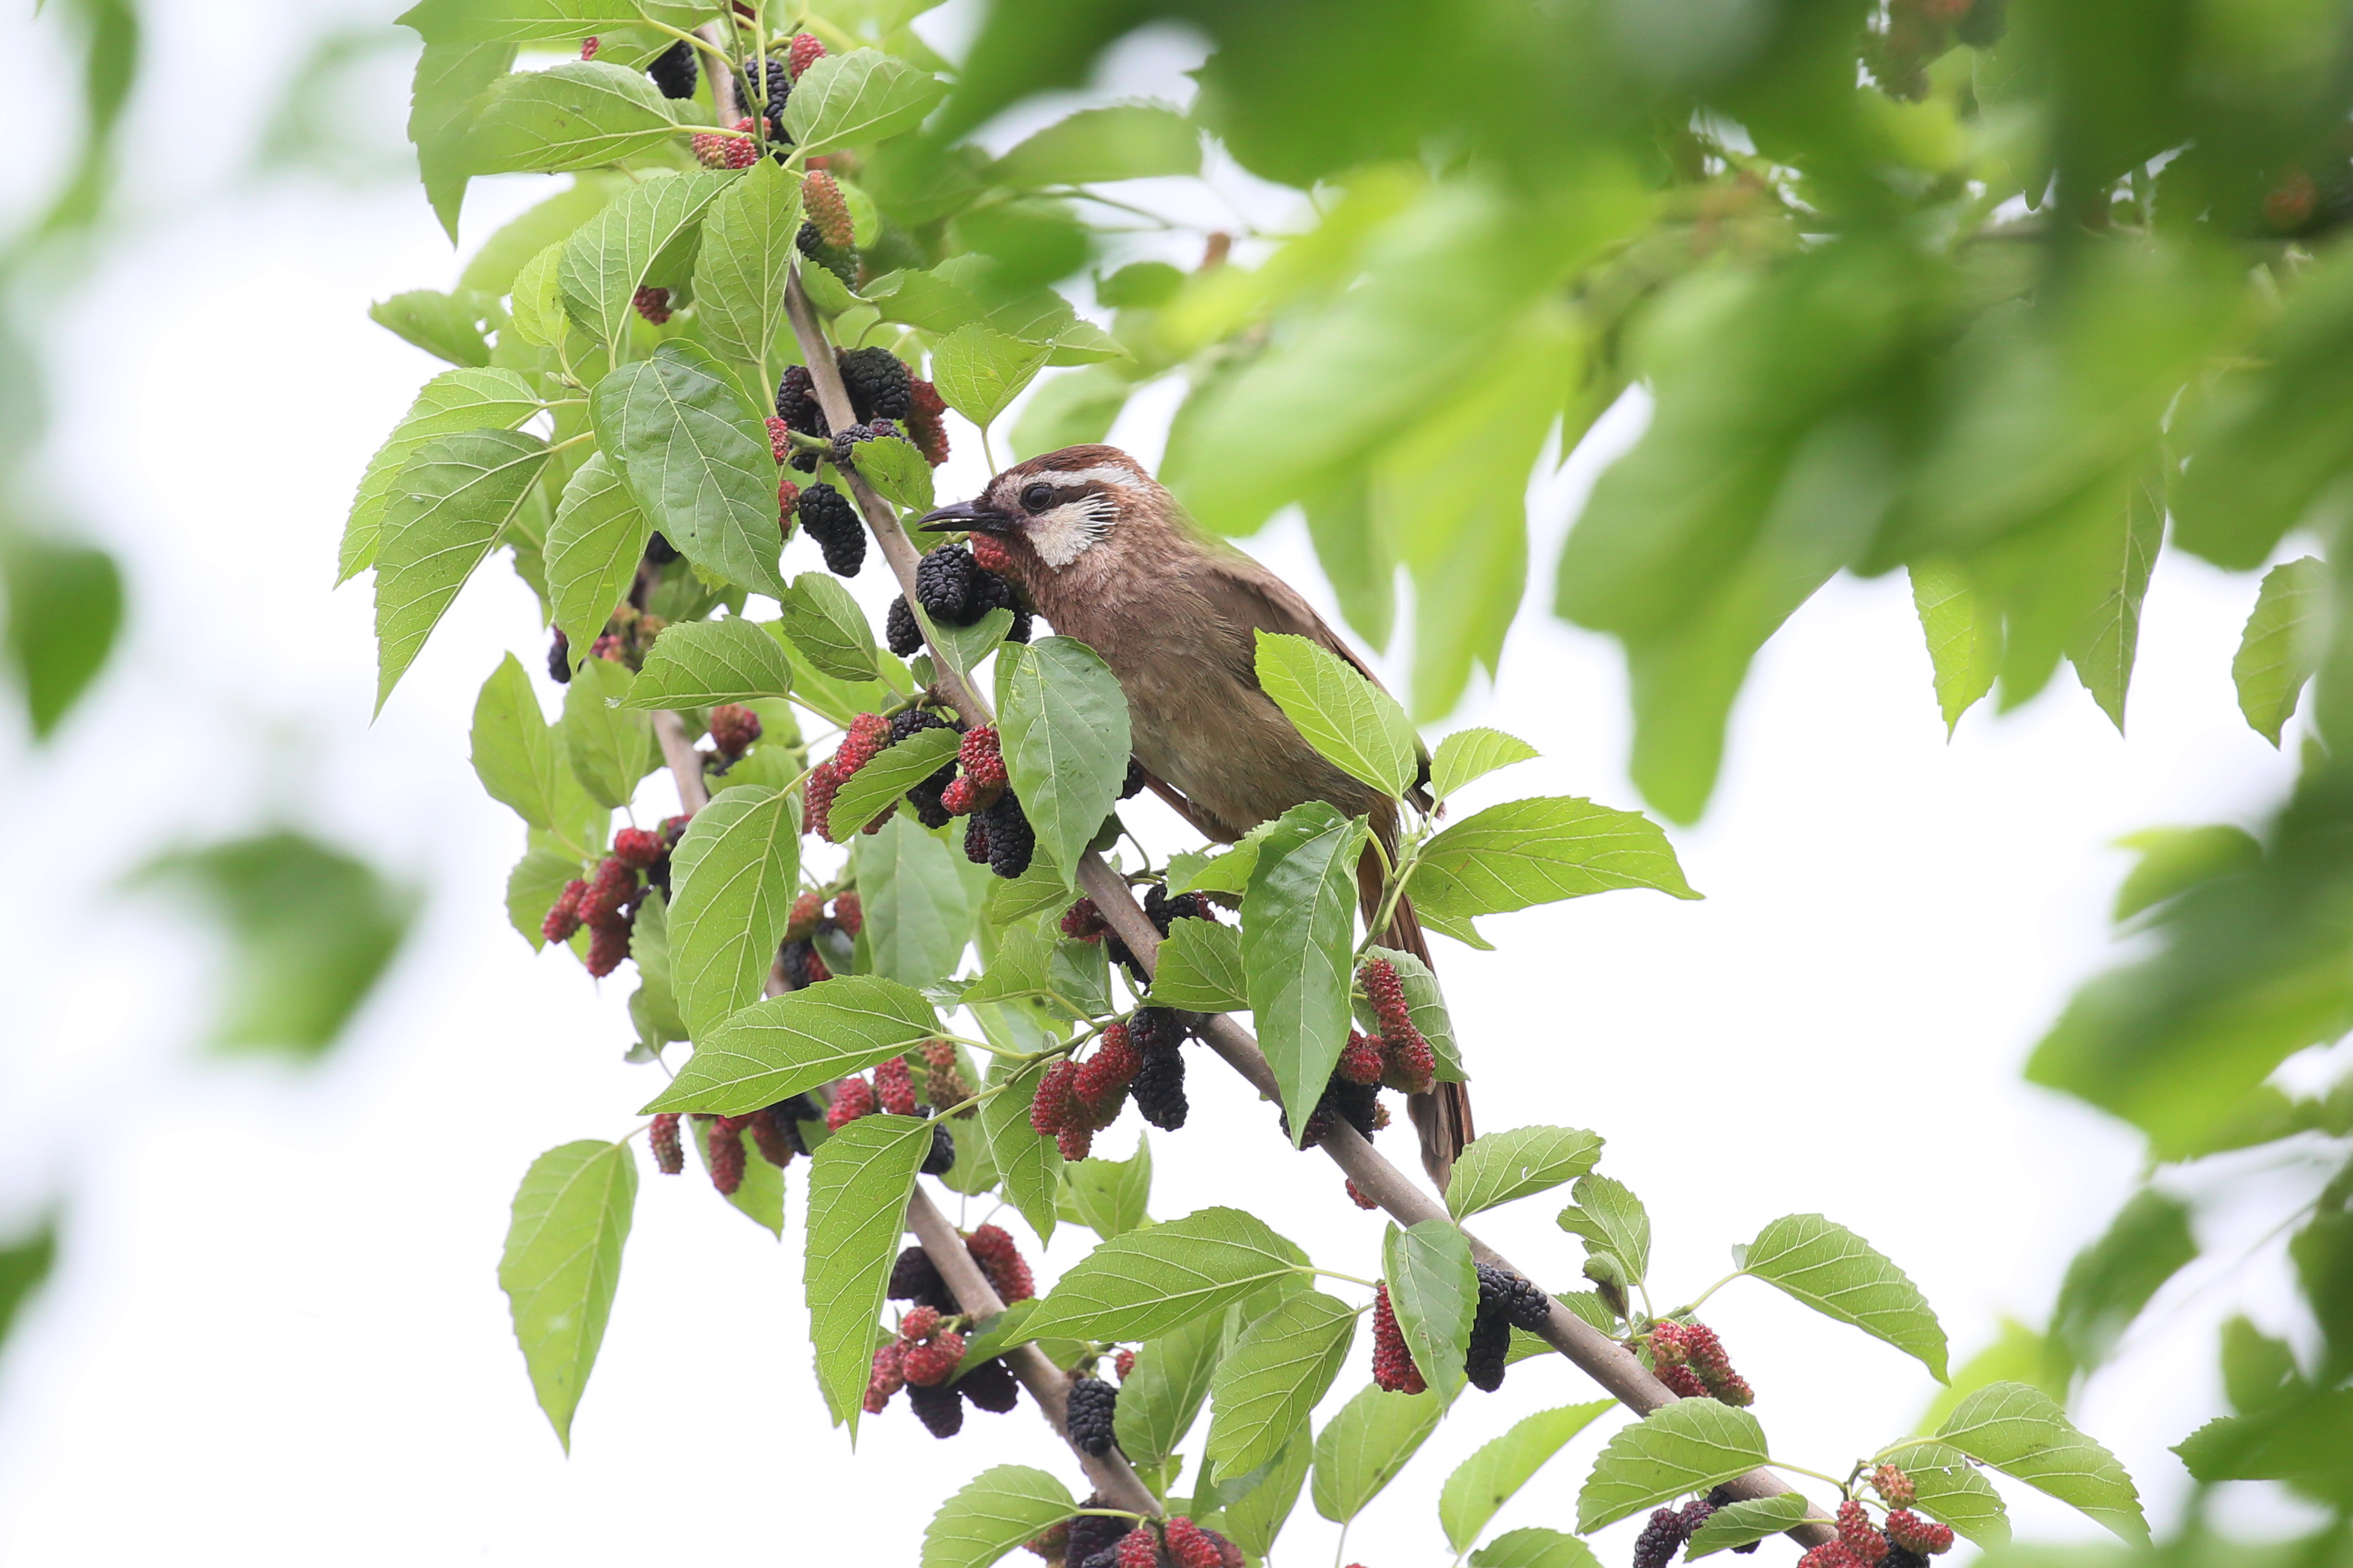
(1072, 478)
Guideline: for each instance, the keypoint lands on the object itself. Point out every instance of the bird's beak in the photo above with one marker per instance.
(965, 517)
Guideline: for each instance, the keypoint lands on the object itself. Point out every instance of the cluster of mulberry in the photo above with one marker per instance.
(869, 735)
(1667, 1530)
(1078, 1098)
(1690, 1359)
(607, 903)
(797, 953)
(919, 1358)
(1904, 1539)
(776, 1132)
(734, 730)
(1506, 1302)
(954, 592)
(891, 1090)
(1084, 921)
(880, 388)
(1098, 1541)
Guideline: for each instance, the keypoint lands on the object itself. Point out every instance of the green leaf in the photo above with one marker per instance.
(535, 313)
(1276, 1375)
(992, 1514)
(562, 1264)
(859, 1183)
(1469, 755)
(1143, 1284)
(747, 254)
(440, 112)
(534, 885)
(760, 1196)
(1365, 1446)
(700, 664)
(593, 550)
(2111, 1280)
(533, 21)
(517, 759)
(447, 326)
(1162, 1395)
(23, 1265)
(609, 257)
(1534, 1547)
(2175, 860)
(452, 404)
(696, 460)
(1064, 725)
(2301, 1442)
(64, 608)
(452, 498)
(1434, 1291)
(2281, 648)
(1610, 1220)
(1501, 1166)
(1357, 727)
(1840, 1275)
(2103, 644)
(1427, 1007)
(1953, 1492)
(523, 239)
(1963, 635)
(863, 96)
(1255, 1518)
(965, 647)
(1073, 410)
(826, 627)
(733, 877)
(1527, 852)
(1200, 968)
(610, 747)
(979, 370)
(918, 915)
(894, 467)
(1298, 920)
(1737, 1524)
(573, 116)
(1110, 1197)
(1030, 1166)
(1485, 1481)
(874, 788)
(1690, 1445)
(1122, 142)
(653, 1008)
(2025, 1434)
(791, 1044)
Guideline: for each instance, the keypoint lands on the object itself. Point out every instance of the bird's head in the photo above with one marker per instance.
(1059, 506)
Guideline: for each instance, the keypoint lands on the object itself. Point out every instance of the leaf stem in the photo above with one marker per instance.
(1702, 1299)
(1802, 1470)
(1313, 1271)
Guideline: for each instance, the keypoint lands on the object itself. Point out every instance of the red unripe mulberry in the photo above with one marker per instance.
(1082, 921)
(1393, 1366)
(1124, 1363)
(1407, 1062)
(563, 919)
(993, 1248)
(801, 924)
(601, 905)
(894, 1086)
(982, 758)
(1051, 1107)
(934, 1362)
(653, 303)
(824, 780)
(588, 49)
(1076, 1140)
(1360, 1059)
(669, 1155)
(1913, 1534)
(921, 1323)
(1357, 1196)
(1137, 1549)
(1685, 1384)
(780, 441)
(959, 798)
(852, 1097)
(1104, 1076)
(1386, 993)
(989, 553)
(1832, 1555)
(886, 1377)
(869, 733)
(805, 52)
(1857, 1532)
(608, 945)
(715, 150)
(723, 1139)
(1190, 1544)
(1894, 1485)
(638, 848)
(849, 911)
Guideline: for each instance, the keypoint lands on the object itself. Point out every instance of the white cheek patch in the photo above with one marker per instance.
(1062, 535)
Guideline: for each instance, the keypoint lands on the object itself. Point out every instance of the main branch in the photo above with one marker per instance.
(1603, 1359)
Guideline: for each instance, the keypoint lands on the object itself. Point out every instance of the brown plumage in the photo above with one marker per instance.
(1106, 555)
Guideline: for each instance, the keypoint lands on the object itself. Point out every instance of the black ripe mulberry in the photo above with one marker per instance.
(1523, 1304)
(976, 838)
(660, 552)
(878, 382)
(940, 1409)
(944, 583)
(990, 1386)
(1091, 1534)
(1011, 840)
(899, 631)
(842, 264)
(916, 1278)
(1093, 1404)
(1134, 785)
(1504, 1299)
(778, 87)
(559, 657)
(833, 522)
(673, 70)
(1159, 1090)
(1660, 1539)
(915, 721)
(942, 1159)
(669, 1154)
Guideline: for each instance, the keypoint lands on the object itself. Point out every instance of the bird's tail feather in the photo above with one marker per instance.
(1442, 1119)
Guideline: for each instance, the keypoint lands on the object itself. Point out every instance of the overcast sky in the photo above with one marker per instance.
(275, 1334)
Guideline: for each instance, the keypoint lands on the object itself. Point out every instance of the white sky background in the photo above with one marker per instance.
(275, 1333)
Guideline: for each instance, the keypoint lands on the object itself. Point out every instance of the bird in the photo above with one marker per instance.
(1100, 548)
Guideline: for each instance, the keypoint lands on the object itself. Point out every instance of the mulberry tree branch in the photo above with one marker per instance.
(1601, 1358)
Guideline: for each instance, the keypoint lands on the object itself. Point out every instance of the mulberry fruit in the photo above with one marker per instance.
(1682, 1382)
(1137, 1549)
(869, 733)
(841, 263)
(899, 632)
(660, 552)
(1124, 1363)
(669, 1154)
(833, 522)
(673, 70)
(933, 1362)
(886, 1376)
(1832, 1555)
(990, 1386)
(941, 1410)
(991, 553)
(776, 1134)
(1106, 1073)
(914, 1278)
(1733, 1389)
(824, 780)
(877, 380)
(651, 303)
(926, 427)
(1190, 1545)
(1491, 1343)
(802, 967)
(895, 1086)
(849, 911)
(1393, 1366)
(944, 1081)
(638, 848)
(1001, 1260)
(780, 440)
(1076, 1140)
(1093, 1403)
(1858, 1534)
(1660, 1539)
(852, 1097)
(1091, 1533)
(588, 49)
(943, 585)
(1159, 1090)
(559, 656)
(601, 905)
(563, 919)
(802, 922)
(734, 729)
(1082, 921)
(1409, 1065)
(1051, 1108)
(608, 945)
(1133, 786)
(942, 1158)
(1356, 1195)
(1894, 1486)
(1360, 1059)
(1913, 1534)
(723, 1142)
(716, 149)
(919, 1324)
(804, 52)
(776, 87)
(1523, 1305)
(915, 721)
(796, 403)
(1011, 840)
(1386, 993)
(975, 838)
(982, 758)
(788, 506)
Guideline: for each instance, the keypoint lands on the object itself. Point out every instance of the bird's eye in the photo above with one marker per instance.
(1037, 497)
